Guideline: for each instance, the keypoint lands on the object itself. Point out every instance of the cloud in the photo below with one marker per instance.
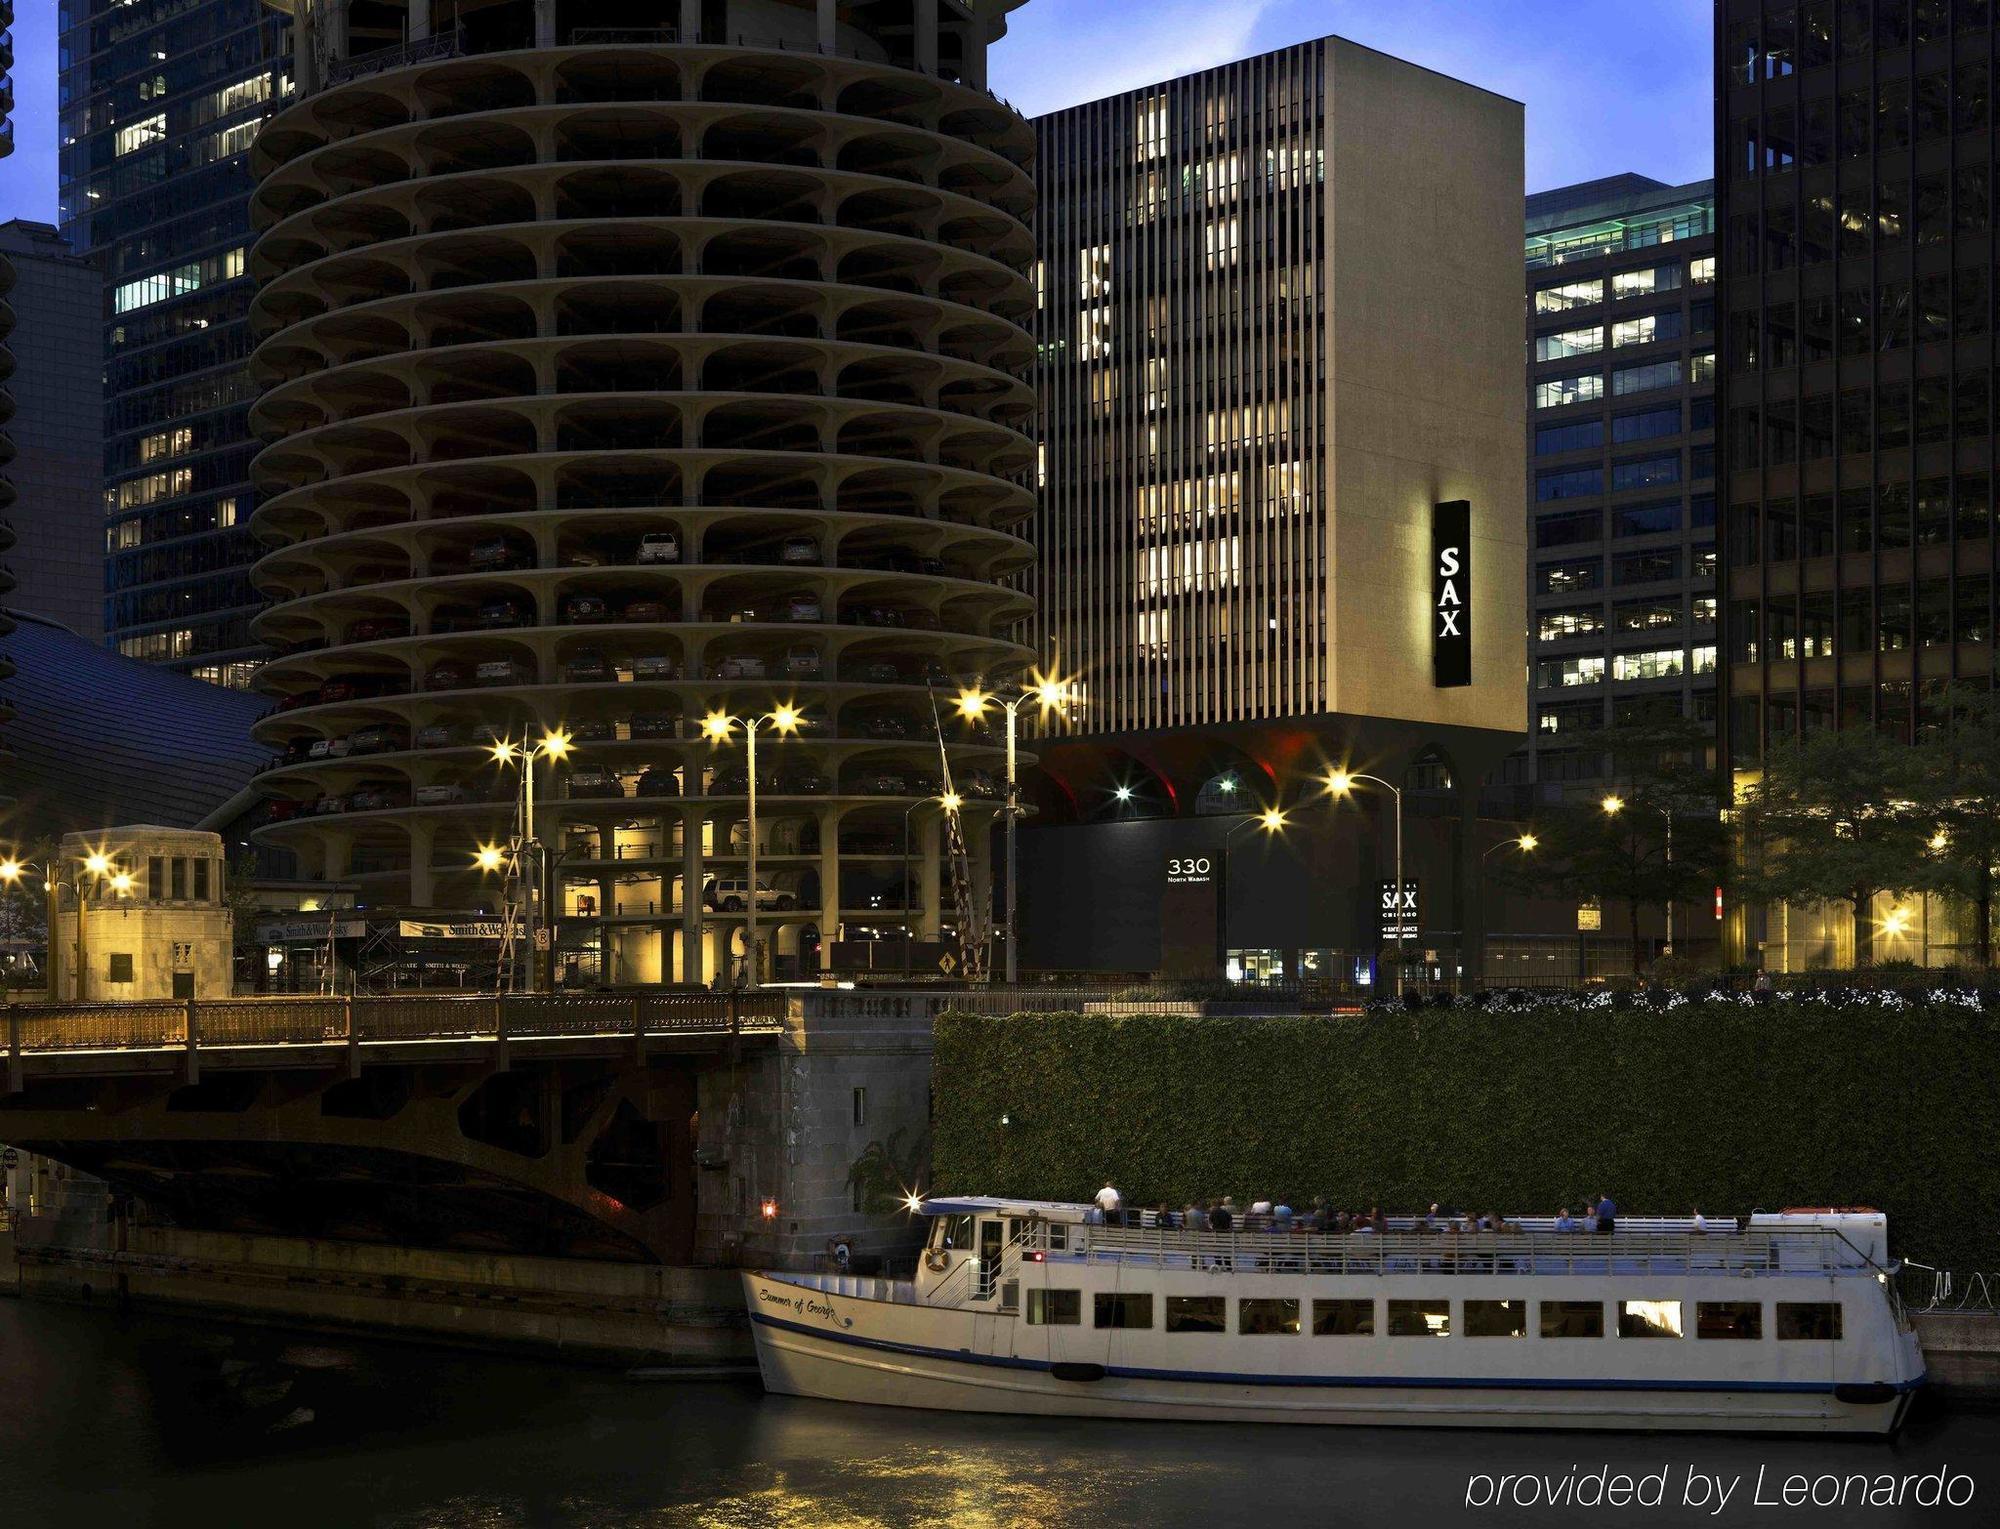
(1059, 53)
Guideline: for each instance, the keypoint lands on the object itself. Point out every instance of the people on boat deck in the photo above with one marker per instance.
(1607, 1213)
(1223, 1216)
(1700, 1226)
(1565, 1222)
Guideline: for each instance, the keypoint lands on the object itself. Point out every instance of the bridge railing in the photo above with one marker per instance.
(365, 1018)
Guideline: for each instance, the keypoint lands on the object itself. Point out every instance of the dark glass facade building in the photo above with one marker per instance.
(160, 101)
(1855, 148)
(1621, 465)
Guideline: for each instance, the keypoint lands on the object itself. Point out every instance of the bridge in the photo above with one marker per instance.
(558, 1125)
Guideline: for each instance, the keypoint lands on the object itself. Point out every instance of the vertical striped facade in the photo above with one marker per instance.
(1182, 346)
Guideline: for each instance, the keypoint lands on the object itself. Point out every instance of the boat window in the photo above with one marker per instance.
(1420, 1319)
(1123, 1311)
(1262, 1316)
(1649, 1319)
(1496, 1319)
(1729, 1319)
(1055, 1308)
(1572, 1319)
(1344, 1318)
(1808, 1319)
(1196, 1314)
(952, 1232)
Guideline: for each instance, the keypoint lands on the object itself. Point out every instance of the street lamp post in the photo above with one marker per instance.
(783, 720)
(554, 745)
(1271, 820)
(1341, 783)
(1613, 804)
(97, 865)
(1051, 695)
(1526, 844)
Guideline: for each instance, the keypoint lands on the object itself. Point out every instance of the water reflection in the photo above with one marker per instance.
(159, 1421)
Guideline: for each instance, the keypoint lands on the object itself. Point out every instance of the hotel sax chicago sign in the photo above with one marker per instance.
(1451, 593)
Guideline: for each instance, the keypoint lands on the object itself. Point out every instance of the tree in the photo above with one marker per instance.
(1962, 766)
(1650, 837)
(24, 915)
(1839, 817)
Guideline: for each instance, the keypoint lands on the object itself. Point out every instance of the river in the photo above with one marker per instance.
(154, 1420)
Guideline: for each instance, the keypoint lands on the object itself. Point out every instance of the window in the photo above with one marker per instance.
(1122, 1311)
(1193, 1314)
(177, 878)
(1644, 379)
(1344, 1318)
(1729, 1319)
(1645, 1319)
(1645, 472)
(1649, 664)
(1496, 1319)
(1798, 1320)
(1569, 294)
(1701, 270)
(1562, 673)
(1558, 391)
(861, 1106)
(1569, 342)
(1569, 578)
(1646, 567)
(1576, 526)
(1055, 1308)
(119, 967)
(1583, 621)
(1568, 718)
(1576, 435)
(1420, 1319)
(142, 134)
(1647, 328)
(1646, 519)
(1647, 615)
(1646, 424)
(156, 878)
(1569, 483)
(1640, 283)
(1260, 1316)
(1572, 1319)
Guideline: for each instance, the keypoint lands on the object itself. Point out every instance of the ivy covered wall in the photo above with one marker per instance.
(1725, 1105)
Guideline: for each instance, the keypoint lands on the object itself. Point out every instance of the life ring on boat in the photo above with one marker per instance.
(937, 1260)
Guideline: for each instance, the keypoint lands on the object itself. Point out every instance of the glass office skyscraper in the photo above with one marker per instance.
(1621, 441)
(1855, 144)
(160, 101)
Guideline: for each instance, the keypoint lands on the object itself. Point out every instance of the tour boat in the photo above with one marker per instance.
(1790, 1322)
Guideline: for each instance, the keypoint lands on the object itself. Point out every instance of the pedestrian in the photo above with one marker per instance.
(1607, 1214)
(1760, 990)
(1111, 1202)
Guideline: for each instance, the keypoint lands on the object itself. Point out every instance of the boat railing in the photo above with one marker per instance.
(1805, 1251)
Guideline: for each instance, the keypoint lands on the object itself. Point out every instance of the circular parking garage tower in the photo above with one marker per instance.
(617, 376)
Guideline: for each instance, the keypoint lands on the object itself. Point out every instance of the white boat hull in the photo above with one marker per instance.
(823, 1343)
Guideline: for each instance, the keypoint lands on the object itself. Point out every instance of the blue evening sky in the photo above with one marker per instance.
(1610, 85)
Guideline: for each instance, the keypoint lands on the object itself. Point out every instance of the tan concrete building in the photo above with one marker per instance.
(141, 913)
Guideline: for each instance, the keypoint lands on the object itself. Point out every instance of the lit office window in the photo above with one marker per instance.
(1562, 673)
(1558, 391)
(1569, 342)
(1152, 127)
(1644, 379)
(1652, 278)
(143, 134)
(1649, 664)
(1564, 296)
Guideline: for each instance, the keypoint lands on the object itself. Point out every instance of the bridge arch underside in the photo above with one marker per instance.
(580, 1158)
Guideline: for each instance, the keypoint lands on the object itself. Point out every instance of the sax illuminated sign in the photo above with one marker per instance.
(1451, 593)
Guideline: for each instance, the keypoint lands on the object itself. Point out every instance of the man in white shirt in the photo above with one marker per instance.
(1109, 1200)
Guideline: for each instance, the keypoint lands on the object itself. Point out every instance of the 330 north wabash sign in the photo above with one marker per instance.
(1451, 593)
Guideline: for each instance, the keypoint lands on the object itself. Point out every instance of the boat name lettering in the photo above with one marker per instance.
(805, 1306)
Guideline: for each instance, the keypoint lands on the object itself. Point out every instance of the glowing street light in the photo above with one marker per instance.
(554, 745)
(717, 726)
(1051, 693)
(490, 857)
(1612, 805)
(1525, 844)
(1896, 923)
(10, 871)
(1123, 793)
